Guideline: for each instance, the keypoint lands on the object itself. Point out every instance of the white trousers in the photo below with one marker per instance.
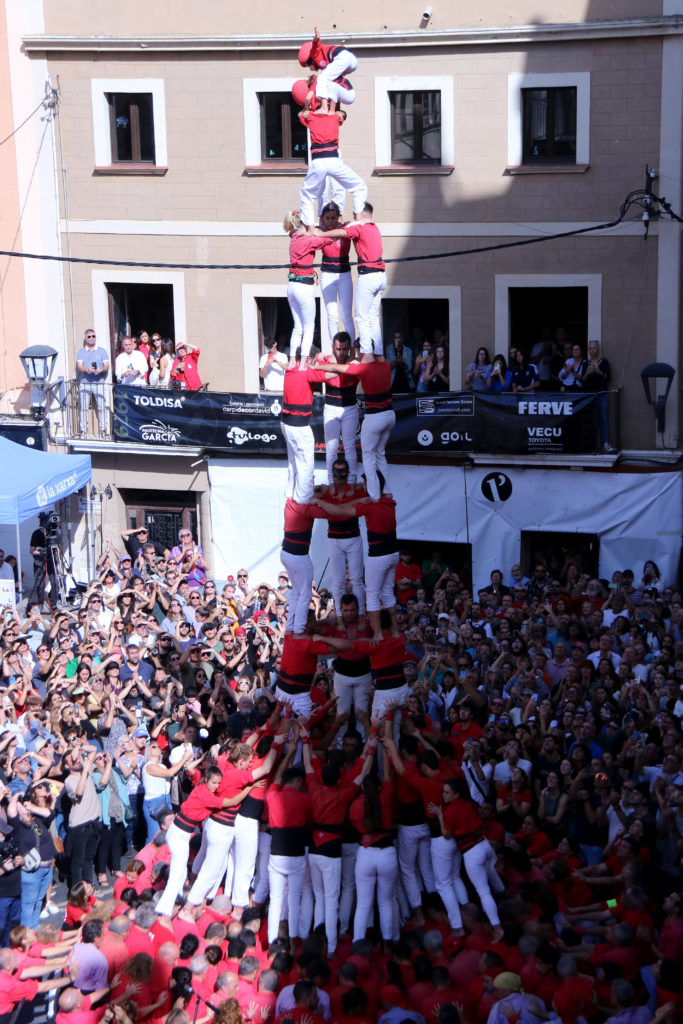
(369, 289)
(352, 691)
(301, 704)
(286, 876)
(341, 421)
(374, 434)
(345, 63)
(347, 552)
(414, 847)
(348, 885)
(300, 445)
(379, 581)
(383, 698)
(179, 845)
(480, 865)
(300, 569)
(314, 187)
(219, 840)
(337, 293)
(261, 884)
(301, 298)
(245, 848)
(446, 862)
(375, 870)
(326, 880)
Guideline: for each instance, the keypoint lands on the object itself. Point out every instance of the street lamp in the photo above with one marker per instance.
(38, 362)
(652, 373)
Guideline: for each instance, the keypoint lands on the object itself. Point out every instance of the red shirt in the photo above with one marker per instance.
(376, 380)
(83, 1016)
(298, 663)
(299, 527)
(13, 990)
(336, 256)
(199, 804)
(386, 659)
(367, 239)
(407, 572)
(287, 807)
(302, 248)
(380, 519)
(572, 998)
(297, 397)
(463, 820)
(357, 816)
(233, 782)
(340, 391)
(324, 132)
(188, 374)
(329, 806)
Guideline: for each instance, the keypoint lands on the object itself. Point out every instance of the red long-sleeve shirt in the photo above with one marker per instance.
(341, 527)
(233, 782)
(386, 659)
(299, 526)
(367, 239)
(302, 250)
(357, 817)
(339, 390)
(323, 54)
(289, 812)
(376, 380)
(197, 808)
(462, 819)
(335, 258)
(329, 808)
(380, 519)
(297, 397)
(298, 663)
(324, 132)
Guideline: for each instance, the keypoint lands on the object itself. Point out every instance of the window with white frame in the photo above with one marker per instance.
(414, 123)
(273, 135)
(549, 120)
(129, 123)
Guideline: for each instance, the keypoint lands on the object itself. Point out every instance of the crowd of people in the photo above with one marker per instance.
(396, 800)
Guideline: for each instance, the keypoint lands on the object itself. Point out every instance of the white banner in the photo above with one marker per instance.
(8, 597)
(636, 516)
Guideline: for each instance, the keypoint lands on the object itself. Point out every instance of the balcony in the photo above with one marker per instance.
(546, 428)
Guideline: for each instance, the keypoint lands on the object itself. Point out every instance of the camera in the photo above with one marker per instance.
(50, 522)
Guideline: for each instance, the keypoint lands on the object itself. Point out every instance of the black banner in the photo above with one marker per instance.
(455, 424)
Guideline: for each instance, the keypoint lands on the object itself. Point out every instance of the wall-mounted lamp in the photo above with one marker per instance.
(650, 374)
(105, 492)
(38, 362)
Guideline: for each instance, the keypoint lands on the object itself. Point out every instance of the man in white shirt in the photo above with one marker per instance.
(501, 773)
(130, 366)
(6, 571)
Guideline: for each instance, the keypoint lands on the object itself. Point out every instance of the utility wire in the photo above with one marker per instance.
(47, 103)
(637, 197)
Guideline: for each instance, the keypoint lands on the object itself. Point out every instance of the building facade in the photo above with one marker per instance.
(175, 143)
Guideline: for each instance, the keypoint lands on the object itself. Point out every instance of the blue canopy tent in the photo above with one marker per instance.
(34, 480)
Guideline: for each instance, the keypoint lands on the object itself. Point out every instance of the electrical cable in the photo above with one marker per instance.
(48, 103)
(638, 197)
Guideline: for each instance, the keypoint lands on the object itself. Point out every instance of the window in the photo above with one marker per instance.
(131, 120)
(283, 137)
(549, 125)
(275, 141)
(415, 127)
(129, 125)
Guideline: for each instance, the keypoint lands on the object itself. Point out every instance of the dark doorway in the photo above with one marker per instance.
(162, 514)
(457, 557)
(556, 550)
(536, 315)
(139, 307)
(417, 318)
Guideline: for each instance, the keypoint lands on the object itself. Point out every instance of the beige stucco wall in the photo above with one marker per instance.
(260, 17)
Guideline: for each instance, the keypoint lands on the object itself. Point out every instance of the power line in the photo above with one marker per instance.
(634, 198)
(48, 103)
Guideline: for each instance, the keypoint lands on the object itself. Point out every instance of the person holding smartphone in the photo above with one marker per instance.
(92, 364)
(499, 377)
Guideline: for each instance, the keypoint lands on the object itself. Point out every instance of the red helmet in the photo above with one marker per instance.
(300, 91)
(305, 54)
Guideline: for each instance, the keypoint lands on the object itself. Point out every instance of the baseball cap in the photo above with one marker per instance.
(409, 656)
(240, 631)
(133, 643)
(141, 732)
(125, 558)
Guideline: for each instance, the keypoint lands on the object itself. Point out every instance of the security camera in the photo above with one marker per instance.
(426, 14)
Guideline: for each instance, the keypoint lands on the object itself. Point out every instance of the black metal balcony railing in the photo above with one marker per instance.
(459, 423)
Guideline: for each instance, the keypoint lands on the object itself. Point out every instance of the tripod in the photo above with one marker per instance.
(60, 571)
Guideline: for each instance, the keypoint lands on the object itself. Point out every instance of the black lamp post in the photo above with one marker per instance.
(38, 362)
(650, 374)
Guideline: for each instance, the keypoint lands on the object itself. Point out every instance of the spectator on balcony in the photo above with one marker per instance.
(499, 378)
(595, 374)
(160, 375)
(420, 367)
(272, 366)
(570, 374)
(400, 358)
(478, 371)
(437, 373)
(92, 364)
(524, 375)
(184, 370)
(153, 360)
(131, 365)
(142, 343)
